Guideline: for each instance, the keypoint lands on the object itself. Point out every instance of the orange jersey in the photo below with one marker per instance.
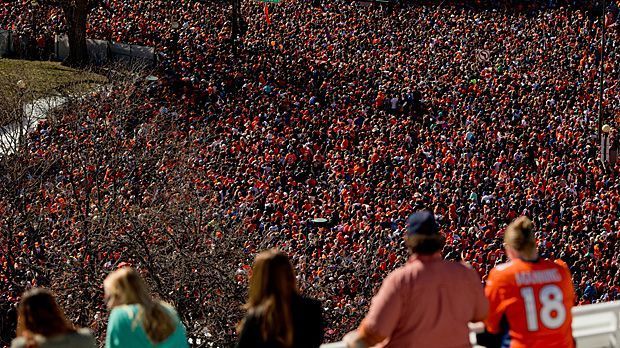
(535, 299)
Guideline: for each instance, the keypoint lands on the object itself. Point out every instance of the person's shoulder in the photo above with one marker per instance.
(456, 266)
(460, 271)
(561, 266)
(310, 302)
(411, 268)
(402, 274)
(126, 308)
(545, 264)
(84, 332)
(559, 263)
(84, 338)
(123, 312)
(504, 268)
(502, 272)
(18, 342)
(172, 312)
(169, 308)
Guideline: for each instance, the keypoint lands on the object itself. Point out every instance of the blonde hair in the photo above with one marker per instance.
(272, 288)
(129, 288)
(520, 235)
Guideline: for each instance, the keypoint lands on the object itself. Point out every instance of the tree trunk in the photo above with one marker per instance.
(235, 24)
(76, 15)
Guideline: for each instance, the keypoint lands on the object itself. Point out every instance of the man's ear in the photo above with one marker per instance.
(407, 241)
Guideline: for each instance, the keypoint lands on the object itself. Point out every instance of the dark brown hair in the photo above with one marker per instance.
(39, 314)
(425, 245)
(272, 288)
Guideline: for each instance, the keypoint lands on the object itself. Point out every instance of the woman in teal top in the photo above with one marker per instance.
(136, 319)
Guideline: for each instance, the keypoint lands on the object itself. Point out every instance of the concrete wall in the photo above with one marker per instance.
(100, 51)
(5, 42)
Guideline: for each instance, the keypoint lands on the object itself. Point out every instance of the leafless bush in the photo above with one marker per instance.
(100, 182)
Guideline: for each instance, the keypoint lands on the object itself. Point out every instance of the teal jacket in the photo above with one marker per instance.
(124, 332)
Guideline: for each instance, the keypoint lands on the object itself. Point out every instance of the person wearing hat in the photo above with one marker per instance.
(426, 303)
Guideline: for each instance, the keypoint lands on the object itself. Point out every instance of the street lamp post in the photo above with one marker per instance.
(605, 145)
(31, 49)
(235, 19)
(20, 114)
(601, 73)
(174, 28)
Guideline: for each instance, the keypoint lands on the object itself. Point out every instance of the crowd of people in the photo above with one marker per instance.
(330, 124)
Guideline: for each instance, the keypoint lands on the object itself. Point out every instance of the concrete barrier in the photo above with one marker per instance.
(101, 51)
(6, 42)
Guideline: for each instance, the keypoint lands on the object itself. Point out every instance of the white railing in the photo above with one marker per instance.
(597, 325)
(594, 326)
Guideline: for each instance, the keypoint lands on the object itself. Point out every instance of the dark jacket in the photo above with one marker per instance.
(307, 326)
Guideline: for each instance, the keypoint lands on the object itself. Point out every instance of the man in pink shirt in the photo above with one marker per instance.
(426, 303)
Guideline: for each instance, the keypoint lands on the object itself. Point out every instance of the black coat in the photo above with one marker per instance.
(307, 326)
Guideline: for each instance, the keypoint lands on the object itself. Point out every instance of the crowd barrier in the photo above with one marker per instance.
(99, 51)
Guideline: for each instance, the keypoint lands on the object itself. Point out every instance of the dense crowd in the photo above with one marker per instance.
(360, 116)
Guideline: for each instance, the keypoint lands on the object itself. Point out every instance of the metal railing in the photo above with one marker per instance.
(594, 326)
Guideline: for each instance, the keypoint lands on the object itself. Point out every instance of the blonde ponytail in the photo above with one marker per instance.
(520, 235)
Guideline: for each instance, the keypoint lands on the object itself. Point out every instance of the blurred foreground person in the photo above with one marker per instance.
(278, 317)
(136, 319)
(530, 298)
(41, 323)
(426, 303)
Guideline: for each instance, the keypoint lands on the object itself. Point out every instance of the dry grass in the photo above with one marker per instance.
(44, 78)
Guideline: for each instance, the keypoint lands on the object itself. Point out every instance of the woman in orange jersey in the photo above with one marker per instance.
(530, 298)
